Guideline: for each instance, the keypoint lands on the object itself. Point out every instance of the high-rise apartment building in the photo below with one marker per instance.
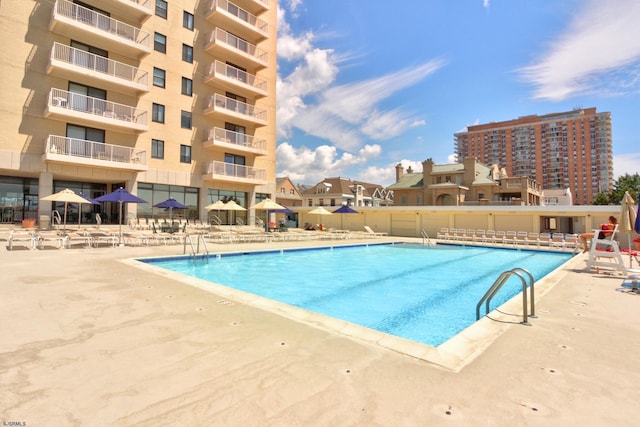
(571, 150)
(167, 98)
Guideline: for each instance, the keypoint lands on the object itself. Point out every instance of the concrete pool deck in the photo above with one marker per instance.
(90, 340)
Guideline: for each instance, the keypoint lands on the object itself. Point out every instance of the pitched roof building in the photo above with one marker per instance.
(466, 183)
(287, 193)
(344, 191)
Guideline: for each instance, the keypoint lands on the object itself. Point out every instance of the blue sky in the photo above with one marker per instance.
(364, 84)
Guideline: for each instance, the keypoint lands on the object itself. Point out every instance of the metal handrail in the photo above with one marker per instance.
(497, 285)
(425, 239)
(196, 250)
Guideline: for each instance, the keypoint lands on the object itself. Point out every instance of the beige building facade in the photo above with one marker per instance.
(166, 98)
(571, 149)
(469, 183)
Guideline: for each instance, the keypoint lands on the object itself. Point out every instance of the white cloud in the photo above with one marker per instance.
(452, 158)
(310, 166)
(601, 38)
(486, 4)
(628, 163)
(386, 175)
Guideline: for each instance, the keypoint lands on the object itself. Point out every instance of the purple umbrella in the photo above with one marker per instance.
(170, 204)
(344, 209)
(120, 196)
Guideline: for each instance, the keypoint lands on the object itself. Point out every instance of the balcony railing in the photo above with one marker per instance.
(102, 23)
(234, 74)
(240, 14)
(81, 151)
(219, 36)
(238, 139)
(235, 171)
(219, 101)
(128, 74)
(62, 99)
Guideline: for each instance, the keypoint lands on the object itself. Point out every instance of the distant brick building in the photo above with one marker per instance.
(571, 149)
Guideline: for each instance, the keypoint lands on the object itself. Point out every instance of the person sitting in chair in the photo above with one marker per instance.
(607, 230)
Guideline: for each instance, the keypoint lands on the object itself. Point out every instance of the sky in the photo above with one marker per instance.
(365, 84)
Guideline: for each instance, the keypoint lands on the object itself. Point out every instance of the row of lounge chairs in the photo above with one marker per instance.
(248, 234)
(512, 238)
(40, 239)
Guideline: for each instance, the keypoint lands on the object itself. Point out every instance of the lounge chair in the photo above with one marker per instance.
(489, 237)
(443, 234)
(44, 237)
(374, 233)
(544, 239)
(21, 237)
(521, 238)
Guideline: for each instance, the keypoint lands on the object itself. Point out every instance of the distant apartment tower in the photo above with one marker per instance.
(561, 150)
(167, 98)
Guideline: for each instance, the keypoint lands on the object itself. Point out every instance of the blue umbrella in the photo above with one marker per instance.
(170, 204)
(286, 210)
(120, 196)
(344, 209)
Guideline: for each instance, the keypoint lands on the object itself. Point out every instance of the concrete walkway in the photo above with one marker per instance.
(88, 340)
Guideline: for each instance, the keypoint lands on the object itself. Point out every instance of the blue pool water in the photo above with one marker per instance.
(424, 294)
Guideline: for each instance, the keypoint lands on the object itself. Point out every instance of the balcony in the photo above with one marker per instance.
(137, 10)
(257, 6)
(234, 142)
(79, 23)
(224, 44)
(84, 67)
(238, 112)
(60, 149)
(95, 112)
(229, 172)
(232, 79)
(237, 20)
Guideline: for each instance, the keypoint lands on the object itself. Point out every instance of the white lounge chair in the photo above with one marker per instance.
(374, 233)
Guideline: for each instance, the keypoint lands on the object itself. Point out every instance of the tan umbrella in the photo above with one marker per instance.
(231, 205)
(66, 196)
(267, 205)
(627, 219)
(319, 211)
(217, 206)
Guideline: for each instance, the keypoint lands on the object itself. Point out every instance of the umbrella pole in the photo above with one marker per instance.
(64, 226)
(120, 227)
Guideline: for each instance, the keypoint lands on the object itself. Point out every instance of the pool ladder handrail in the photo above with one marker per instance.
(196, 250)
(425, 239)
(497, 285)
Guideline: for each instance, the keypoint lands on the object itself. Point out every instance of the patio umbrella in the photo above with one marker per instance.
(344, 209)
(120, 196)
(267, 205)
(216, 206)
(66, 196)
(231, 205)
(627, 219)
(170, 204)
(91, 202)
(319, 211)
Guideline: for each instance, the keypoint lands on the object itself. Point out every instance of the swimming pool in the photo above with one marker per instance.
(423, 294)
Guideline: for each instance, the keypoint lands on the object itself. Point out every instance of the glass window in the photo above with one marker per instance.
(157, 149)
(160, 42)
(157, 113)
(187, 86)
(185, 154)
(187, 53)
(162, 8)
(159, 77)
(187, 20)
(185, 119)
